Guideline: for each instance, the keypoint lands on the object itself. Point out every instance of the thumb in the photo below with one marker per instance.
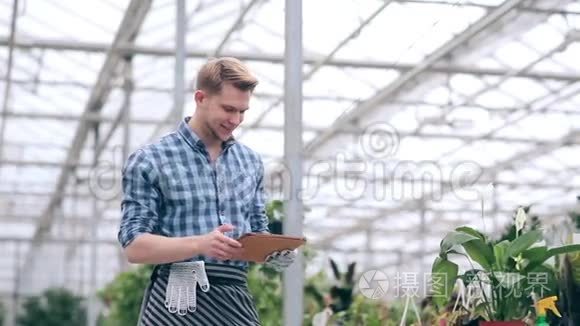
(225, 228)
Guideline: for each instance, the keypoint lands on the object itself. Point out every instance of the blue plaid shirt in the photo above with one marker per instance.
(170, 188)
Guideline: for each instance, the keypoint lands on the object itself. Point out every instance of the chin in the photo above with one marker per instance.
(222, 136)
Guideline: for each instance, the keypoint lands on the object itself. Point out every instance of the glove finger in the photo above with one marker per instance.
(203, 281)
(290, 254)
(182, 302)
(191, 298)
(168, 296)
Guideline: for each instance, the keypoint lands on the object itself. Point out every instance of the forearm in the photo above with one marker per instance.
(156, 249)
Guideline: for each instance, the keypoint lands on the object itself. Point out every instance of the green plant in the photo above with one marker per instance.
(275, 213)
(54, 307)
(266, 288)
(341, 294)
(123, 296)
(508, 273)
(368, 312)
(2, 313)
(570, 275)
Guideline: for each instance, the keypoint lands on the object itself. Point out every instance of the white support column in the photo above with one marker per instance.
(179, 73)
(92, 309)
(423, 250)
(294, 275)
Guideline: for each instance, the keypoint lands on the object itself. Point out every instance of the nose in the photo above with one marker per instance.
(235, 119)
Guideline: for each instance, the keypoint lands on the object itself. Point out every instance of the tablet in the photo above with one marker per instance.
(257, 246)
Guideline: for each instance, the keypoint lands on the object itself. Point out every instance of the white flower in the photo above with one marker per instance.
(521, 218)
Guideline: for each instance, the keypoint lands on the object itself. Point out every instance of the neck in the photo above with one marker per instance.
(204, 133)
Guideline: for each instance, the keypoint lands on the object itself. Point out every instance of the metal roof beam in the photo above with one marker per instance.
(396, 86)
(273, 58)
(237, 24)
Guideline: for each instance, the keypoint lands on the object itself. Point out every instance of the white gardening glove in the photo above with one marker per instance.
(180, 295)
(279, 260)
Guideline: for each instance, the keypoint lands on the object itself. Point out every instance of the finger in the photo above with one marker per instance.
(225, 228)
(220, 254)
(230, 250)
(234, 252)
(229, 241)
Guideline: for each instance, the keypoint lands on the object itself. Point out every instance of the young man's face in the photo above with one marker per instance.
(222, 113)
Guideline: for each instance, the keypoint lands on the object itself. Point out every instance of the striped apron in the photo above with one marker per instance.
(228, 301)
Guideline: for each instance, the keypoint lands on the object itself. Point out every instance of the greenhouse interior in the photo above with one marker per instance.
(425, 150)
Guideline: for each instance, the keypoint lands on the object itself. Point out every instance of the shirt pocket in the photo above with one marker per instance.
(186, 186)
(243, 188)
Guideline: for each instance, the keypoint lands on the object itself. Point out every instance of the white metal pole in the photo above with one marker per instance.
(294, 275)
(179, 73)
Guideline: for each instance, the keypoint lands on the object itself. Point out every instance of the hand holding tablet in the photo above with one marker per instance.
(257, 246)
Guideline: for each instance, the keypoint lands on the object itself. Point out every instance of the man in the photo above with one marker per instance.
(187, 197)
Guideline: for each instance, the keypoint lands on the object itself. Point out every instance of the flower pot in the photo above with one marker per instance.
(502, 323)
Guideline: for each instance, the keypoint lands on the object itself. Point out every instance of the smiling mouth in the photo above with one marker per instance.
(227, 129)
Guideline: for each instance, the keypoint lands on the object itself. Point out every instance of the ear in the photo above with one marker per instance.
(350, 273)
(334, 269)
(199, 96)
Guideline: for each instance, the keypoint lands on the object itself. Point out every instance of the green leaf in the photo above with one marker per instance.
(453, 239)
(563, 250)
(471, 231)
(535, 253)
(499, 252)
(550, 253)
(448, 272)
(523, 242)
(480, 252)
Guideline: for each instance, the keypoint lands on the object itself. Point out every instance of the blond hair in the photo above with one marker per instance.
(218, 71)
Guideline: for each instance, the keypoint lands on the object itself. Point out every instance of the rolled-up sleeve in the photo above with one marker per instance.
(258, 218)
(141, 198)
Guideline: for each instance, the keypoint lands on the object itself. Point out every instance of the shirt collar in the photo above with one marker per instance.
(193, 139)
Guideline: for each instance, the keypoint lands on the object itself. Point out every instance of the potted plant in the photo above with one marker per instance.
(508, 275)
